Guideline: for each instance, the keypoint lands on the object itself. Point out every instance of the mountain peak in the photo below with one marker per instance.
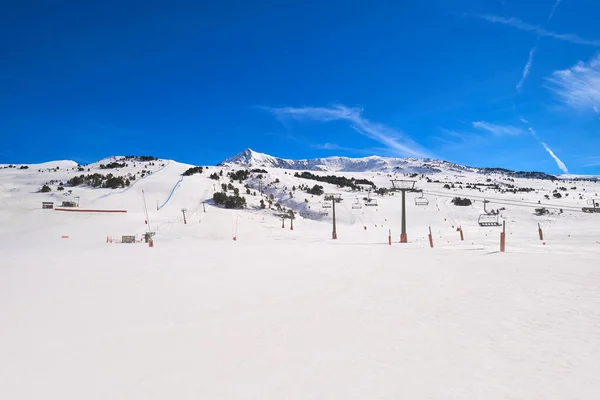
(252, 159)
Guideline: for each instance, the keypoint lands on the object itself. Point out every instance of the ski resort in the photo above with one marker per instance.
(300, 200)
(421, 274)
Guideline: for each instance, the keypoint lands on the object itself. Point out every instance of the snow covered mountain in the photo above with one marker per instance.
(252, 159)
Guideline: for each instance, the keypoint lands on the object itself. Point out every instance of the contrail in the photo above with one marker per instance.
(561, 165)
(553, 10)
(527, 68)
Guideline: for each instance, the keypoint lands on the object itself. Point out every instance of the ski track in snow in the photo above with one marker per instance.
(171, 193)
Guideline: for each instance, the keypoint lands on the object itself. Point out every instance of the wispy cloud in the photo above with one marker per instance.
(456, 135)
(499, 130)
(556, 4)
(328, 146)
(527, 68)
(578, 86)
(395, 140)
(592, 162)
(561, 165)
(539, 31)
(337, 147)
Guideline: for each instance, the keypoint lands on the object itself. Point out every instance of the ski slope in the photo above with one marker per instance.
(280, 313)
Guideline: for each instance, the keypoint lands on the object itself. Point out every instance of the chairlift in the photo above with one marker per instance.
(356, 205)
(326, 205)
(421, 200)
(595, 203)
(488, 218)
(369, 201)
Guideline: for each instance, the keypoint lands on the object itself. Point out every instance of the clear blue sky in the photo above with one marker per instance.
(505, 83)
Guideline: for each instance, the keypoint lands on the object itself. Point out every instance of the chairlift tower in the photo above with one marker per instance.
(148, 235)
(401, 185)
(334, 198)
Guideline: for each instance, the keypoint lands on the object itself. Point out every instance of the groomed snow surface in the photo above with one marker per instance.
(281, 314)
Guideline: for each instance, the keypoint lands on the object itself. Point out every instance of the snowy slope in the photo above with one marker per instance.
(281, 313)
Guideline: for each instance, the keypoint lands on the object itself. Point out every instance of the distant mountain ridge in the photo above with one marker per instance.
(252, 159)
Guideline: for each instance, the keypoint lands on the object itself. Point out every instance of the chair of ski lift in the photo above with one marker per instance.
(326, 205)
(421, 200)
(595, 206)
(356, 205)
(370, 202)
(489, 220)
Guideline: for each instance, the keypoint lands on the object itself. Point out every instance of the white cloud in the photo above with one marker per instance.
(396, 141)
(578, 86)
(499, 130)
(526, 69)
(553, 10)
(518, 24)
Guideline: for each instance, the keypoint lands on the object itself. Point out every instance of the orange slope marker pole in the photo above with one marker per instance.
(503, 237)
(430, 238)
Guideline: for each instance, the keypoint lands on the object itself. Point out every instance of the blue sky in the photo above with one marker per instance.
(505, 83)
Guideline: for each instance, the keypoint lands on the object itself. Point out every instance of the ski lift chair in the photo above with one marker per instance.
(595, 207)
(421, 200)
(489, 220)
(356, 205)
(369, 201)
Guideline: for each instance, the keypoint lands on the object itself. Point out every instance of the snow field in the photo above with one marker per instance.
(225, 319)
